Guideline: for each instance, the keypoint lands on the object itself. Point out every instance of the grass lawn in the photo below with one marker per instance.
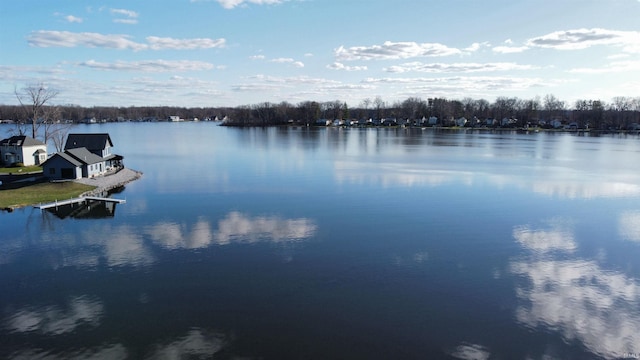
(17, 195)
(21, 169)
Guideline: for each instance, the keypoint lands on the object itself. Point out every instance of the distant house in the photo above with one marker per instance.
(84, 155)
(22, 149)
(461, 122)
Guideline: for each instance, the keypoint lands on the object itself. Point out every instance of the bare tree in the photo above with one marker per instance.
(55, 130)
(34, 99)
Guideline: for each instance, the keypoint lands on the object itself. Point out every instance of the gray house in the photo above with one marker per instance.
(99, 144)
(84, 155)
(22, 149)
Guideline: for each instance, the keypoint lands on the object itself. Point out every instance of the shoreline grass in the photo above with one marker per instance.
(16, 170)
(35, 193)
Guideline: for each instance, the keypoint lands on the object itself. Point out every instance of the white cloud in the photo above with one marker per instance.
(341, 66)
(476, 46)
(150, 65)
(126, 21)
(255, 87)
(291, 61)
(73, 19)
(577, 39)
(292, 80)
(257, 57)
(464, 84)
(162, 43)
(510, 49)
(45, 38)
(230, 4)
(394, 50)
(457, 67)
(131, 17)
(127, 13)
(615, 66)
(618, 56)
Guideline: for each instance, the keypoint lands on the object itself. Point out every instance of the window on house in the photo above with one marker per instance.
(52, 171)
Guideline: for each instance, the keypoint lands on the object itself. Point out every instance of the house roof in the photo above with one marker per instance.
(90, 141)
(21, 140)
(84, 156)
(64, 156)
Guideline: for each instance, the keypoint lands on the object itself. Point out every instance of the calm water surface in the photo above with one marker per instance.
(295, 243)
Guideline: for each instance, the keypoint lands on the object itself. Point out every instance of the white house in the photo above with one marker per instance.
(22, 149)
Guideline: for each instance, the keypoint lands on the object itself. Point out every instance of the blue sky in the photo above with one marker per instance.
(210, 53)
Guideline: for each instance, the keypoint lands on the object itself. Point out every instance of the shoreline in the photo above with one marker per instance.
(109, 182)
(102, 185)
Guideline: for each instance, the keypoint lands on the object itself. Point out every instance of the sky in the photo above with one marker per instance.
(216, 53)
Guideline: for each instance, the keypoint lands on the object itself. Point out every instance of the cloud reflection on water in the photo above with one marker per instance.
(557, 181)
(234, 228)
(56, 320)
(125, 245)
(471, 352)
(559, 237)
(629, 226)
(196, 344)
(576, 297)
(103, 352)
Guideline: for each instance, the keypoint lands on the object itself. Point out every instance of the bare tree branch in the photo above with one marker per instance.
(33, 100)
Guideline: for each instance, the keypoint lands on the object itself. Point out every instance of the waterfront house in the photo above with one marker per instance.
(99, 144)
(22, 149)
(84, 155)
(73, 164)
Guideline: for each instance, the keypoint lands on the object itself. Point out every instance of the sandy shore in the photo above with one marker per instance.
(108, 182)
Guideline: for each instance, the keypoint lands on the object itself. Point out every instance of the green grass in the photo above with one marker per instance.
(21, 169)
(18, 195)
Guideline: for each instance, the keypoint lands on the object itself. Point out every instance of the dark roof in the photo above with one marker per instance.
(84, 156)
(90, 141)
(21, 140)
(66, 157)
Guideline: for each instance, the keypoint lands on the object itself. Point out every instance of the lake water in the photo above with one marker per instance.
(297, 243)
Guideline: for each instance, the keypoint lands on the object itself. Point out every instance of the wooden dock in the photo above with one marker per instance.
(77, 200)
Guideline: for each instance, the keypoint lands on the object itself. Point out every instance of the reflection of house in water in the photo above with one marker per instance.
(90, 209)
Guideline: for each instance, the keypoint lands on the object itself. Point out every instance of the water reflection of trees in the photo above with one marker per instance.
(576, 297)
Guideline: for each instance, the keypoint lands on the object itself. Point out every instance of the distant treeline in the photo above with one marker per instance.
(620, 113)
